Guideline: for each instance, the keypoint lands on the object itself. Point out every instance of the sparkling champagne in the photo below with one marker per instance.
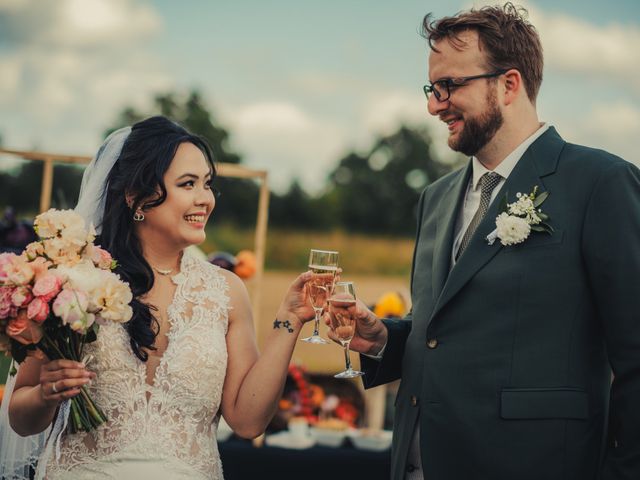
(321, 285)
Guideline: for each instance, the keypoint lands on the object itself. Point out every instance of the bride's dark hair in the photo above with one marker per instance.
(138, 173)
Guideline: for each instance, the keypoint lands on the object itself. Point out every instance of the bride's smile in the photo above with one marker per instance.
(180, 220)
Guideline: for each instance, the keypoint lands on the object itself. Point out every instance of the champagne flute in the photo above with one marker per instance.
(342, 311)
(324, 265)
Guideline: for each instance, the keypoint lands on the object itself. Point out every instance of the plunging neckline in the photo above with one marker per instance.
(150, 387)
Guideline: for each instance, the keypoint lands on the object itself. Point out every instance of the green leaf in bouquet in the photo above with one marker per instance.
(92, 334)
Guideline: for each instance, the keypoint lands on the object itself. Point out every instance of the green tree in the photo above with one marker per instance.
(378, 192)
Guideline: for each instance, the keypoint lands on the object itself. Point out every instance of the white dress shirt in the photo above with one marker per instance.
(472, 197)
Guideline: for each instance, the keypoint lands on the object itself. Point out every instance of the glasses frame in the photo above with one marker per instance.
(451, 83)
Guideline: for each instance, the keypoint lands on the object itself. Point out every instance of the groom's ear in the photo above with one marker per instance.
(513, 86)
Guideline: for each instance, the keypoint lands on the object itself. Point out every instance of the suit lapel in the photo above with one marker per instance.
(539, 160)
(449, 207)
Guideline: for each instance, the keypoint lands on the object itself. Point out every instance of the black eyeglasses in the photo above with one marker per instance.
(442, 88)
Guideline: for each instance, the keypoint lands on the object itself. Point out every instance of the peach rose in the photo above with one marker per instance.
(40, 267)
(18, 271)
(33, 250)
(23, 330)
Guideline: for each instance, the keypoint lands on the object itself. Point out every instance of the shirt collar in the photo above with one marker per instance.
(505, 167)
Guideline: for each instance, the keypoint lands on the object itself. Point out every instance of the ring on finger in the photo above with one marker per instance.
(53, 387)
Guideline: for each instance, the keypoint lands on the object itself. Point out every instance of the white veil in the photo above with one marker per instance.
(94, 181)
(19, 455)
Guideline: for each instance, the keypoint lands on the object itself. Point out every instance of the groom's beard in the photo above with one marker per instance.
(478, 131)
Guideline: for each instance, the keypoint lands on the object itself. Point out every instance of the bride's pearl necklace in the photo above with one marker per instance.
(163, 271)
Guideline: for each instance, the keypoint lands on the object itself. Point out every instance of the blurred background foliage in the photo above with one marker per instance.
(368, 201)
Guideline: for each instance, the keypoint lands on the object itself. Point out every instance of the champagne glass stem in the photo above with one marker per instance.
(316, 324)
(347, 358)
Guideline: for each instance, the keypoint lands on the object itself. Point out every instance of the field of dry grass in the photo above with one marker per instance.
(289, 250)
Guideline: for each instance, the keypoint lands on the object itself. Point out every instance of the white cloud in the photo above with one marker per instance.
(575, 46)
(386, 111)
(72, 65)
(286, 140)
(612, 127)
(79, 24)
(273, 116)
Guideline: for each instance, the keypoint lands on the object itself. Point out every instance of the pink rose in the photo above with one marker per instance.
(38, 310)
(47, 286)
(101, 258)
(23, 330)
(21, 296)
(5, 260)
(6, 305)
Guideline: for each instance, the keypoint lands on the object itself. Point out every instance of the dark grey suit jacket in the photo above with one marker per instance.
(506, 360)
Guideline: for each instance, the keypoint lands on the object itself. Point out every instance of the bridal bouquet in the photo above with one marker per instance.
(54, 296)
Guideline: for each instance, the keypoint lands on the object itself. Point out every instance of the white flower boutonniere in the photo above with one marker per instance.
(520, 218)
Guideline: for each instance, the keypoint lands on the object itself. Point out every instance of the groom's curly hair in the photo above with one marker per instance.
(505, 35)
(139, 173)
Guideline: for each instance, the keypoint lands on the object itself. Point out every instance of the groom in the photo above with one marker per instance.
(506, 359)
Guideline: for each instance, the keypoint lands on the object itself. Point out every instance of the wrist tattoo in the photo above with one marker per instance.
(286, 324)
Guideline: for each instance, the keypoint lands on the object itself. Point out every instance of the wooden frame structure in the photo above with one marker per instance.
(224, 169)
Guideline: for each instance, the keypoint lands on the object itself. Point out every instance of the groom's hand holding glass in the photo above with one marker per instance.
(371, 334)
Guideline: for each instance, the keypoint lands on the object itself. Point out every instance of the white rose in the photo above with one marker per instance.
(112, 298)
(81, 276)
(512, 230)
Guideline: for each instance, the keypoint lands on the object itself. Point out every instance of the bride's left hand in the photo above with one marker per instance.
(296, 302)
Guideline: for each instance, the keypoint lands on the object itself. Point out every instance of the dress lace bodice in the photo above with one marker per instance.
(174, 419)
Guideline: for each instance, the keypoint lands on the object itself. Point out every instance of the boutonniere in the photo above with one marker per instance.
(518, 219)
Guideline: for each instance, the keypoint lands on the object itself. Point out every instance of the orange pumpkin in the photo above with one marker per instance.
(246, 264)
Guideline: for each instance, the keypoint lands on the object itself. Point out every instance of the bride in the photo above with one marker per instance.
(189, 353)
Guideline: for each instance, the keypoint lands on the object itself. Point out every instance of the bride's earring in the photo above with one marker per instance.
(138, 216)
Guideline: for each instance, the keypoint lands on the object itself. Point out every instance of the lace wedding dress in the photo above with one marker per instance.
(166, 430)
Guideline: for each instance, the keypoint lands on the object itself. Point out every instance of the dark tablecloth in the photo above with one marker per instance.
(242, 461)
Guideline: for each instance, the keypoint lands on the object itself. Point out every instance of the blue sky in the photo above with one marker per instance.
(298, 84)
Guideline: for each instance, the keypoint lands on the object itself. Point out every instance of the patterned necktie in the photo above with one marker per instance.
(488, 182)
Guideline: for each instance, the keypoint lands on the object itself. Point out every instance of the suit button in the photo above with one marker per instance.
(413, 400)
(432, 343)
(411, 468)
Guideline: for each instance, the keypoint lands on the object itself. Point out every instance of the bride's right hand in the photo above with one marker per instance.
(295, 304)
(62, 379)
